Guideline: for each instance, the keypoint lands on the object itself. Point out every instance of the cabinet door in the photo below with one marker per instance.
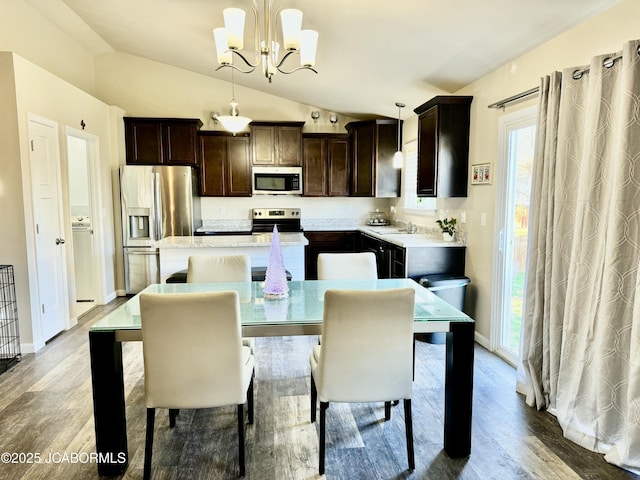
(179, 143)
(338, 175)
(315, 166)
(212, 152)
(143, 141)
(363, 151)
(428, 148)
(289, 146)
(325, 242)
(398, 265)
(238, 173)
(443, 146)
(263, 140)
(375, 246)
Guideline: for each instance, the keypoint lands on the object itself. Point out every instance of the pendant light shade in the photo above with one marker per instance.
(398, 158)
(291, 20)
(234, 27)
(233, 122)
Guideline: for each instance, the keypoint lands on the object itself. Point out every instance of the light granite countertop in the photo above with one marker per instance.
(408, 240)
(226, 241)
(392, 234)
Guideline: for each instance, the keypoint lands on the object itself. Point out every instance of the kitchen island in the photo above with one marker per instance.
(175, 251)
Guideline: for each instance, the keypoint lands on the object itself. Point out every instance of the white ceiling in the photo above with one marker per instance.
(371, 53)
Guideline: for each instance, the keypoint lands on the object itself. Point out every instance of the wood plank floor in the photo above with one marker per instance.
(46, 407)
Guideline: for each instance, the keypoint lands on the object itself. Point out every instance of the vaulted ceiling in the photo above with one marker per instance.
(371, 53)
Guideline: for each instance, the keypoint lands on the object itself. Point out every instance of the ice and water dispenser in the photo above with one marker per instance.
(138, 223)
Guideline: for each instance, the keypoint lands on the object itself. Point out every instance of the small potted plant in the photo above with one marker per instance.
(448, 227)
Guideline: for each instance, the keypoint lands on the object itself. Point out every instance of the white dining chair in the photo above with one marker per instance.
(347, 266)
(366, 354)
(220, 268)
(196, 362)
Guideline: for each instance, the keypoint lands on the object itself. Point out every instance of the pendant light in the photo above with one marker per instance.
(233, 122)
(398, 157)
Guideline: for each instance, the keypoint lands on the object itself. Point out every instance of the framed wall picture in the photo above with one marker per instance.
(481, 174)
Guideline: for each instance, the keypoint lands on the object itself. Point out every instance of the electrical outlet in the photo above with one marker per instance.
(392, 209)
(463, 217)
(222, 209)
(483, 219)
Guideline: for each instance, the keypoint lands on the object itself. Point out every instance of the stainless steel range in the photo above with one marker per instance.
(286, 219)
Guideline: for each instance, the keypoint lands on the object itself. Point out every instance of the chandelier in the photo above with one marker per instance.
(229, 40)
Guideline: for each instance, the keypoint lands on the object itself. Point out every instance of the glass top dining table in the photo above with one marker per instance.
(300, 313)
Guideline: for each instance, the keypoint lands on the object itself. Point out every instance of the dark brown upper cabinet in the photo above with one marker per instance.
(373, 145)
(443, 146)
(225, 166)
(325, 164)
(276, 143)
(165, 141)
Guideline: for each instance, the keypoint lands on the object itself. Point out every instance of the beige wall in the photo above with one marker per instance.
(44, 94)
(23, 30)
(12, 233)
(601, 34)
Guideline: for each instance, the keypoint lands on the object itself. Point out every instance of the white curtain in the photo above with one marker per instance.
(581, 333)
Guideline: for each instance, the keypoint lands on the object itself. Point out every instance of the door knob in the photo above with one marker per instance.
(59, 241)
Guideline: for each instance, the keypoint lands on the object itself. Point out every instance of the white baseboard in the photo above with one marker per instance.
(30, 347)
(112, 296)
(484, 341)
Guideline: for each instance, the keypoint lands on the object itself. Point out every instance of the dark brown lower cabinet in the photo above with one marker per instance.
(326, 242)
(390, 258)
(393, 261)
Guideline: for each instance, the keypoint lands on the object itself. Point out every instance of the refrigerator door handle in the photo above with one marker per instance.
(157, 206)
(150, 253)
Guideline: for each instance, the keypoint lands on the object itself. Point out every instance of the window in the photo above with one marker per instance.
(411, 200)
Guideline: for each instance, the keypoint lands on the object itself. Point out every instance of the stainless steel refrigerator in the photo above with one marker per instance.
(157, 202)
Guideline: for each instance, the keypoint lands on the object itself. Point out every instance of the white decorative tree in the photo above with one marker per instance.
(275, 283)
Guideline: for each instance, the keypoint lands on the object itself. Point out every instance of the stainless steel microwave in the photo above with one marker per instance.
(277, 180)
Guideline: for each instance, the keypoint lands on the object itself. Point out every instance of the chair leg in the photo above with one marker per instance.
(323, 415)
(148, 446)
(173, 413)
(408, 423)
(314, 399)
(250, 400)
(414, 357)
(241, 438)
(387, 411)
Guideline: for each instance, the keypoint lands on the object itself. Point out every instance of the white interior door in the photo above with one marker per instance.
(50, 249)
(517, 142)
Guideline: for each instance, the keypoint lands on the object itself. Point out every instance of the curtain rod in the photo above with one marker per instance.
(513, 98)
(607, 62)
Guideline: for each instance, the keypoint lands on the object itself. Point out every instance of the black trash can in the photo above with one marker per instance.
(452, 289)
